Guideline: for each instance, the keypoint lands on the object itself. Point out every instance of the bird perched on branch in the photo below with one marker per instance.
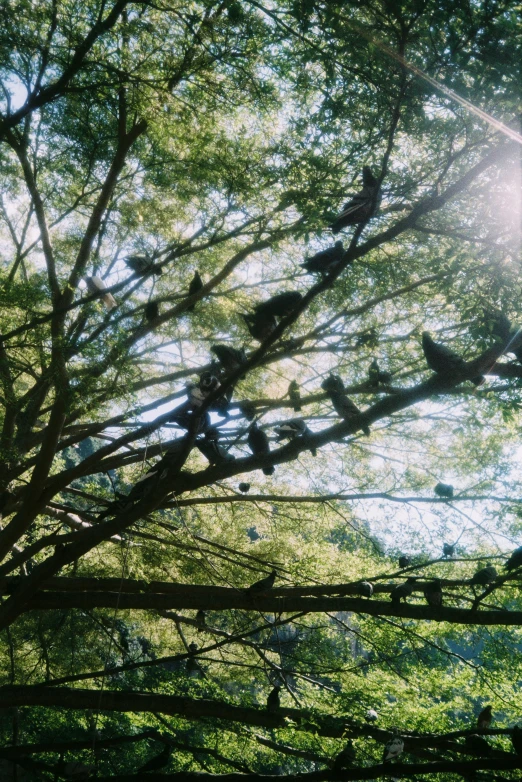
(263, 585)
(141, 264)
(516, 739)
(393, 749)
(260, 326)
(515, 559)
(212, 450)
(280, 305)
(362, 206)
(433, 593)
(229, 358)
(402, 591)
(477, 744)
(443, 360)
(295, 396)
(365, 589)
(185, 419)
(376, 376)
(289, 430)
(247, 410)
(333, 384)
(345, 408)
(484, 576)
(151, 311)
(201, 620)
(157, 762)
(448, 549)
(485, 718)
(404, 561)
(96, 285)
(258, 444)
(444, 490)
(196, 284)
(273, 702)
(345, 757)
(325, 260)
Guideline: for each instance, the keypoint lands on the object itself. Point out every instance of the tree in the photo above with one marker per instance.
(223, 138)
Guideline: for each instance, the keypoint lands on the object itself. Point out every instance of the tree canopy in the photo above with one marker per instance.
(167, 169)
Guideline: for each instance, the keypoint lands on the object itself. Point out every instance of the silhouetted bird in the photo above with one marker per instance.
(194, 669)
(498, 325)
(141, 264)
(248, 410)
(196, 284)
(485, 718)
(325, 260)
(444, 490)
(280, 305)
(442, 359)
(201, 620)
(96, 285)
(376, 376)
(212, 450)
(484, 576)
(273, 701)
(185, 419)
(229, 358)
(393, 749)
(244, 487)
(160, 761)
(193, 647)
(345, 757)
(448, 549)
(362, 206)
(402, 591)
(368, 337)
(348, 410)
(404, 561)
(208, 382)
(263, 585)
(365, 589)
(515, 559)
(259, 326)
(295, 396)
(195, 395)
(371, 716)
(516, 739)
(433, 593)
(333, 384)
(291, 429)
(477, 744)
(258, 444)
(152, 310)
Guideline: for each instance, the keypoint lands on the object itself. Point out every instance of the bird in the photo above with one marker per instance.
(159, 761)
(348, 410)
(193, 647)
(289, 430)
(485, 718)
(141, 264)
(484, 576)
(402, 591)
(229, 358)
(196, 284)
(260, 326)
(376, 376)
(194, 669)
(365, 589)
(368, 337)
(477, 744)
(371, 716)
(273, 701)
(516, 739)
(96, 285)
(280, 305)
(263, 585)
(213, 451)
(201, 620)
(448, 549)
(404, 561)
(333, 384)
(345, 757)
(244, 488)
(444, 490)
(258, 444)
(247, 410)
(393, 748)
(195, 395)
(443, 360)
(362, 206)
(515, 559)
(151, 311)
(498, 325)
(208, 382)
(325, 260)
(433, 593)
(295, 396)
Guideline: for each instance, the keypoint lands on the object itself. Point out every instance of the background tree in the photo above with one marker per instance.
(221, 139)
